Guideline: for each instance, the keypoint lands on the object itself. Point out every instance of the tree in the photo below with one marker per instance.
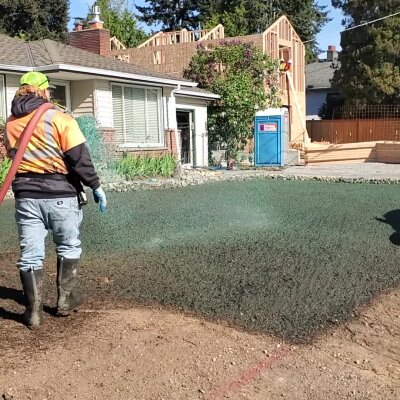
(246, 16)
(173, 15)
(35, 19)
(332, 101)
(245, 78)
(234, 21)
(369, 70)
(120, 21)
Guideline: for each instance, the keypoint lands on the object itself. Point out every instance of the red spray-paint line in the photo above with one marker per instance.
(25, 138)
(247, 376)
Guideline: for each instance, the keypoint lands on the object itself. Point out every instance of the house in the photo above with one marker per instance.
(138, 110)
(171, 52)
(318, 83)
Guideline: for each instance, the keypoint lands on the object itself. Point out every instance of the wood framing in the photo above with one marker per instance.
(171, 52)
(351, 153)
(184, 36)
(325, 153)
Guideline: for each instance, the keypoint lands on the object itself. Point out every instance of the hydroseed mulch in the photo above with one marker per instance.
(283, 257)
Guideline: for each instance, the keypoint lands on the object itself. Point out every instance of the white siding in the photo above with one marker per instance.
(103, 103)
(199, 108)
(12, 85)
(82, 97)
(169, 105)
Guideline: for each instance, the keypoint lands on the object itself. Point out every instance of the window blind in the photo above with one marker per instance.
(137, 115)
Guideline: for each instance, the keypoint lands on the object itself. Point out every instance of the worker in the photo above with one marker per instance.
(49, 194)
(285, 66)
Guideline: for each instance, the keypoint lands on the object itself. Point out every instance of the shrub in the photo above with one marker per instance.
(132, 167)
(4, 167)
(94, 139)
(2, 148)
(246, 79)
(102, 153)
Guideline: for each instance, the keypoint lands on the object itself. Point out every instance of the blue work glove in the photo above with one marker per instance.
(100, 197)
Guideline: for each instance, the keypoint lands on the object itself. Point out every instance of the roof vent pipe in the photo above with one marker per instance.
(96, 14)
(96, 23)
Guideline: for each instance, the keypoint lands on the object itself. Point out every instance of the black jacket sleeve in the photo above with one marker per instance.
(79, 163)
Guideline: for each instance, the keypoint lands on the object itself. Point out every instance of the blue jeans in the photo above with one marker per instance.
(35, 217)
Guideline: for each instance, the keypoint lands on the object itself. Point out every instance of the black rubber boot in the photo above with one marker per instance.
(32, 284)
(68, 297)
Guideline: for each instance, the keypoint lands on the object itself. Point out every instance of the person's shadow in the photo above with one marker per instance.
(392, 218)
(17, 296)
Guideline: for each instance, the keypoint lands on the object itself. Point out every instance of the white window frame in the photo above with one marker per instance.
(128, 145)
(67, 86)
(3, 112)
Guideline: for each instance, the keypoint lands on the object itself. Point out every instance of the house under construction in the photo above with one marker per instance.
(171, 52)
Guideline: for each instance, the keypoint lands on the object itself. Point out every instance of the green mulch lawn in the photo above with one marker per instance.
(283, 257)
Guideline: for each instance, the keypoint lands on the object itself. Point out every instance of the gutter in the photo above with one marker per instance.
(187, 93)
(18, 68)
(318, 88)
(115, 74)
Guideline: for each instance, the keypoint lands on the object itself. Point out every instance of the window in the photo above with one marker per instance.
(3, 115)
(159, 57)
(61, 93)
(122, 57)
(137, 116)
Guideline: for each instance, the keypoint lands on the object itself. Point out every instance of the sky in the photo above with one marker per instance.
(329, 35)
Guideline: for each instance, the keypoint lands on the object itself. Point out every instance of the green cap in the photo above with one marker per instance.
(35, 79)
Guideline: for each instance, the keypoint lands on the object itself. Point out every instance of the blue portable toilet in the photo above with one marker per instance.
(271, 137)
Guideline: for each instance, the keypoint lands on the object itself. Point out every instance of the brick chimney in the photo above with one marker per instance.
(95, 39)
(331, 54)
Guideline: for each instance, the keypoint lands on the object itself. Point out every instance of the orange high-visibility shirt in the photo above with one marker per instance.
(55, 134)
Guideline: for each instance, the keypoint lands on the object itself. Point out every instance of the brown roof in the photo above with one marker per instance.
(42, 53)
(13, 52)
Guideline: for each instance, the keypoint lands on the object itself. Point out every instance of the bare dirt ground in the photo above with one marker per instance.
(118, 350)
(103, 352)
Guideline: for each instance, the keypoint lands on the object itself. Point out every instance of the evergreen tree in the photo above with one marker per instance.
(173, 15)
(234, 20)
(120, 21)
(239, 17)
(369, 70)
(35, 19)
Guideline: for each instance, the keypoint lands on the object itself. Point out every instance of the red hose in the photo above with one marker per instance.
(26, 137)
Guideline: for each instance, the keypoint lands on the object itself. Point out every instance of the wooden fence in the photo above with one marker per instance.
(354, 130)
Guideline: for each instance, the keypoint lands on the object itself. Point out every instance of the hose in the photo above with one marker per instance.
(25, 138)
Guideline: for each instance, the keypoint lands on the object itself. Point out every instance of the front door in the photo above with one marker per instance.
(184, 121)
